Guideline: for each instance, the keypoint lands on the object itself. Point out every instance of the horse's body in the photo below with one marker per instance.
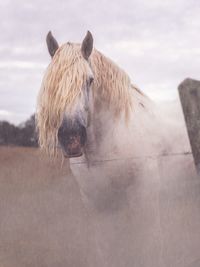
(124, 158)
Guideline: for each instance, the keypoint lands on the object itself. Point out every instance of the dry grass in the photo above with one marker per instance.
(43, 222)
(30, 167)
(42, 219)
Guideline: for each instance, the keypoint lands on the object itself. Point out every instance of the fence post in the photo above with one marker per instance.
(189, 92)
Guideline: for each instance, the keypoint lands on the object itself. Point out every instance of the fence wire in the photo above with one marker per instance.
(154, 157)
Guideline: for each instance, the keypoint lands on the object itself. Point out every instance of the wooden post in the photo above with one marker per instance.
(189, 92)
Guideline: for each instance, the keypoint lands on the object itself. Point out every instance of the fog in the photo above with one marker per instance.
(128, 211)
(134, 199)
(143, 199)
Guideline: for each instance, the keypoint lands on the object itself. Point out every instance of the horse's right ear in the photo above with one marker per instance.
(87, 45)
(52, 44)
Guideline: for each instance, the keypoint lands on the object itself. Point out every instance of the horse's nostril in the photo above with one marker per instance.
(72, 138)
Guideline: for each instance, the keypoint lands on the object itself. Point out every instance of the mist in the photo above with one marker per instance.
(139, 208)
(143, 200)
(134, 199)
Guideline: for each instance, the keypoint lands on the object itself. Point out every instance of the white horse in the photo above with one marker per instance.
(119, 145)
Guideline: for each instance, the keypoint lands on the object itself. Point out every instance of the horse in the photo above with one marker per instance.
(115, 139)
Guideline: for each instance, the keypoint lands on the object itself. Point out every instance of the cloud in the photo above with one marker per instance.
(5, 113)
(156, 42)
(21, 65)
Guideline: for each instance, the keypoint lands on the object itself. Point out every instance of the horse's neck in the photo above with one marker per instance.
(114, 137)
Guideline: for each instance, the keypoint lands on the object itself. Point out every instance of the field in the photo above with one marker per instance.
(42, 219)
(43, 222)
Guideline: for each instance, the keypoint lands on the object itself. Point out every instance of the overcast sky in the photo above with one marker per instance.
(157, 42)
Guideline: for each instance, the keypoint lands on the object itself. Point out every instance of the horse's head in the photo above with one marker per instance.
(81, 87)
(65, 99)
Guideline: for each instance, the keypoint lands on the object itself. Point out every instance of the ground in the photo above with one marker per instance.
(42, 219)
(43, 222)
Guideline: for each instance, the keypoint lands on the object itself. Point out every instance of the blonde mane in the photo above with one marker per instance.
(62, 85)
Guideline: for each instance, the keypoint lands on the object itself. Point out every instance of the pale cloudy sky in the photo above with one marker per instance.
(157, 42)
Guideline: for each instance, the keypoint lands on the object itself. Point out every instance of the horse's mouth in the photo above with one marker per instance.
(75, 154)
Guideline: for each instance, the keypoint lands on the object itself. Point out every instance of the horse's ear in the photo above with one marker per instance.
(52, 44)
(87, 45)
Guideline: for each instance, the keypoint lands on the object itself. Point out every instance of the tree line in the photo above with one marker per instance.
(21, 135)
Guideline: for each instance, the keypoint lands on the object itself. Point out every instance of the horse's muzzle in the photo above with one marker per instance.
(73, 147)
(72, 138)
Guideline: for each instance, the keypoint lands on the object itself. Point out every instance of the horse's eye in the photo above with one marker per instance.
(91, 79)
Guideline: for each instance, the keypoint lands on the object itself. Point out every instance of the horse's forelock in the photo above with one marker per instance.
(61, 85)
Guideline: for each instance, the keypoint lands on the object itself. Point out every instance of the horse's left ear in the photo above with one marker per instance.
(87, 45)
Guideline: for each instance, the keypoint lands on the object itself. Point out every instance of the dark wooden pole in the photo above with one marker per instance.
(189, 92)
